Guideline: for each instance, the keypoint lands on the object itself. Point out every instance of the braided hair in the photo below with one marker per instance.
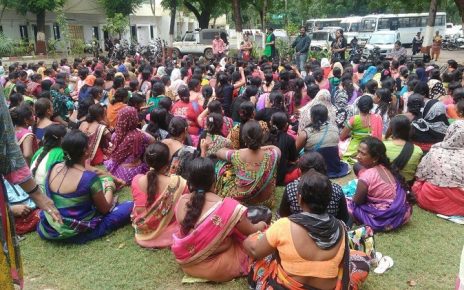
(377, 149)
(157, 157)
(52, 138)
(200, 179)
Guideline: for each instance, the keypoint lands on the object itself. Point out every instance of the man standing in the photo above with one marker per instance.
(245, 48)
(269, 49)
(436, 45)
(417, 43)
(301, 46)
(218, 47)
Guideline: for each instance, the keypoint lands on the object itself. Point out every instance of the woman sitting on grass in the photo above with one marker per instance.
(155, 195)
(360, 126)
(252, 178)
(322, 136)
(209, 245)
(98, 133)
(440, 177)
(49, 154)
(380, 199)
(23, 118)
(89, 211)
(307, 250)
(129, 144)
(404, 155)
(290, 199)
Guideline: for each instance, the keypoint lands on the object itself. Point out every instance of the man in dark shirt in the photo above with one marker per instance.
(301, 46)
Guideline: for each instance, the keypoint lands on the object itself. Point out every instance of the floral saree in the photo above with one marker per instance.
(155, 226)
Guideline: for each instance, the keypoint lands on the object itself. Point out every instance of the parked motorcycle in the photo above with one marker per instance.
(453, 43)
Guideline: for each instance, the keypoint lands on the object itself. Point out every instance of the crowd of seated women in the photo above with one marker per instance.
(202, 144)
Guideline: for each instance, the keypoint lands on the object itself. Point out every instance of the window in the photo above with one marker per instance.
(152, 32)
(96, 33)
(404, 22)
(23, 32)
(1, 29)
(319, 36)
(134, 33)
(368, 25)
(56, 31)
(189, 36)
(440, 20)
(384, 24)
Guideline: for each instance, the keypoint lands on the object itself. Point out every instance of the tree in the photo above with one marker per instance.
(238, 20)
(124, 7)
(117, 24)
(172, 6)
(204, 9)
(39, 8)
(460, 5)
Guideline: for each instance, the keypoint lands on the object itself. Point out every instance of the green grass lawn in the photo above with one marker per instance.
(426, 251)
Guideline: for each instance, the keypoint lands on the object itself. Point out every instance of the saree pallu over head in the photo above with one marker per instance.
(397, 214)
(442, 166)
(210, 232)
(151, 223)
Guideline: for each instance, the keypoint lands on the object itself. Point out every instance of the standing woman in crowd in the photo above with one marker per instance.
(14, 169)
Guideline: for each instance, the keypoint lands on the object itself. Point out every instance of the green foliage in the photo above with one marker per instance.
(284, 49)
(319, 54)
(36, 6)
(117, 24)
(77, 46)
(292, 29)
(124, 7)
(53, 46)
(6, 45)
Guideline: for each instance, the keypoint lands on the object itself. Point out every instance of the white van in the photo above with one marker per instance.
(384, 40)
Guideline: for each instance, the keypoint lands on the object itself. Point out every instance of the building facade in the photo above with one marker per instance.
(86, 20)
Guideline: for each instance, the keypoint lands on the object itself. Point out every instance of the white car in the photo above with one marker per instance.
(453, 30)
(384, 40)
(321, 39)
(198, 42)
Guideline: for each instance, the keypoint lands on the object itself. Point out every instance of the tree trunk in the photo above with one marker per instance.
(460, 5)
(427, 44)
(41, 47)
(172, 23)
(203, 20)
(237, 20)
(261, 18)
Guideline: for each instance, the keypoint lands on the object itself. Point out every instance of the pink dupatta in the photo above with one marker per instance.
(212, 228)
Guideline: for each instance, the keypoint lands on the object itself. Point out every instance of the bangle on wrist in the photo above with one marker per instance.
(36, 187)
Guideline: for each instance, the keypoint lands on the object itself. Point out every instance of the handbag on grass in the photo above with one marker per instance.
(362, 239)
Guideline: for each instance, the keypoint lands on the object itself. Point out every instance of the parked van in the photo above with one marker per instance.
(322, 39)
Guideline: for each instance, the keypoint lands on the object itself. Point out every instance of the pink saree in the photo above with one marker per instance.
(194, 252)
